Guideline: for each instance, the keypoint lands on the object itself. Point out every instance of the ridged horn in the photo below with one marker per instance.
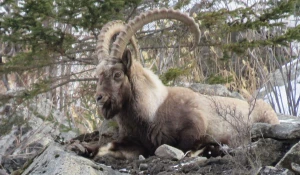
(138, 22)
(107, 32)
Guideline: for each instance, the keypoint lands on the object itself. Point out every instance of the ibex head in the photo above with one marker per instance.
(114, 87)
(111, 72)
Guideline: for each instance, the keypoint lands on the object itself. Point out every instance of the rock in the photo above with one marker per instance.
(141, 157)
(282, 131)
(269, 170)
(19, 146)
(143, 166)
(213, 165)
(215, 89)
(291, 157)
(287, 72)
(29, 129)
(169, 152)
(196, 160)
(77, 147)
(54, 160)
(200, 159)
(3, 172)
(270, 151)
(263, 152)
(295, 167)
(288, 119)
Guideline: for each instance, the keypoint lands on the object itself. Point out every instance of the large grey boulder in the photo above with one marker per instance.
(278, 144)
(263, 152)
(270, 151)
(215, 89)
(27, 130)
(55, 160)
(24, 142)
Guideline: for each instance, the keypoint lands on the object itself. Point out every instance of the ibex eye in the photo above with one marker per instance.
(118, 74)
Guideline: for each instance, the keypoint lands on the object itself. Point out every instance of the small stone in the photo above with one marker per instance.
(123, 170)
(269, 169)
(143, 166)
(169, 152)
(200, 159)
(141, 157)
(295, 167)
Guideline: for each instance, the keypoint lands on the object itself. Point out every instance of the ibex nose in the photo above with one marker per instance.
(99, 97)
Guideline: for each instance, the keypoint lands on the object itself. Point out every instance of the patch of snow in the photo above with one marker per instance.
(281, 93)
(287, 94)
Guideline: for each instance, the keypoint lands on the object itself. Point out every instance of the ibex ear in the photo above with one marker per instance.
(127, 59)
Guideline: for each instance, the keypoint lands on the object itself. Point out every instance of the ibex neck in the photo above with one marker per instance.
(148, 92)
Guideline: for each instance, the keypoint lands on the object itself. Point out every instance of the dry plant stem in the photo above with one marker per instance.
(235, 118)
(287, 78)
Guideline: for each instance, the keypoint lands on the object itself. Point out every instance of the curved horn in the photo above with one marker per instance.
(134, 25)
(133, 42)
(106, 34)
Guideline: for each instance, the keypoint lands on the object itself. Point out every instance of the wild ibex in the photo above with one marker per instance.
(150, 114)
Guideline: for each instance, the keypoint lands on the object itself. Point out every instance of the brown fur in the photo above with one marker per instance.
(150, 114)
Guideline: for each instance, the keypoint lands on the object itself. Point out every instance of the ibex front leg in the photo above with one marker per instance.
(126, 148)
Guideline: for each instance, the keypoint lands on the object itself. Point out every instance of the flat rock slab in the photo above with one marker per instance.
(281, 132)
(55, 160)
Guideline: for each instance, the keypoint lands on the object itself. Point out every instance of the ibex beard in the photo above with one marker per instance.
(150, 114)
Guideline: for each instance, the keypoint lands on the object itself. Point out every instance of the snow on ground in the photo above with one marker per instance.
(283, 106)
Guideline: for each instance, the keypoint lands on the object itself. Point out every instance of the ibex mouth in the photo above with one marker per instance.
(106, 108)
(107, 111)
